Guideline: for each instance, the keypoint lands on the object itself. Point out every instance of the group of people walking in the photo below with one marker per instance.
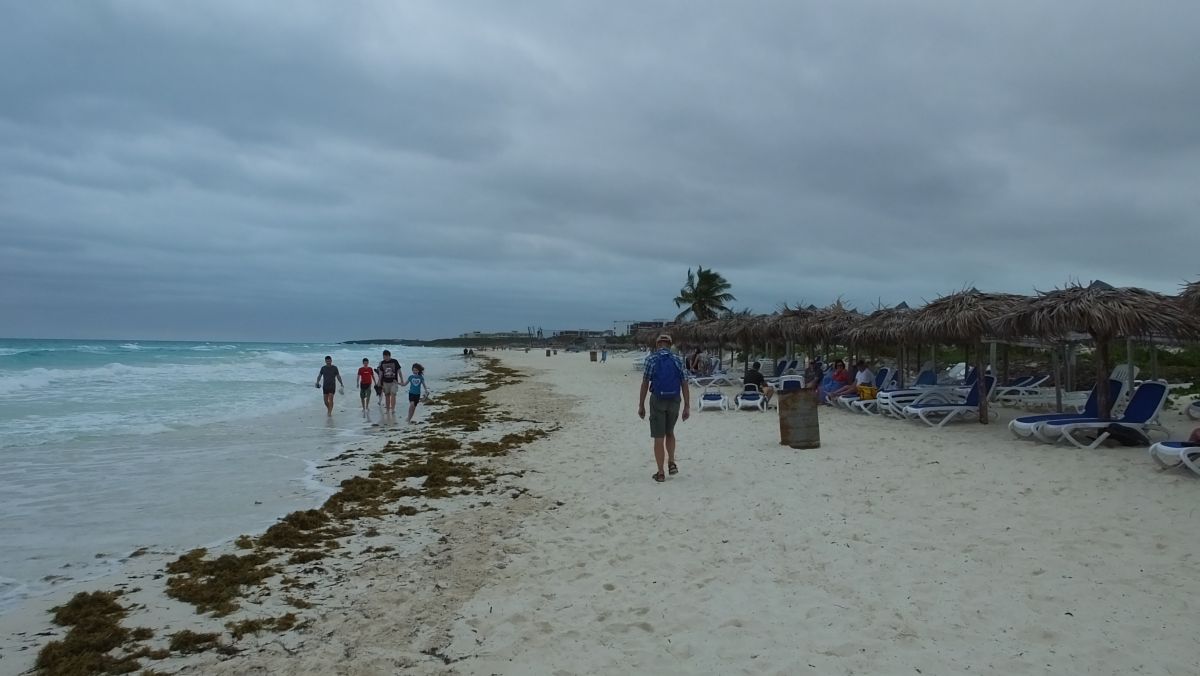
(385, 379)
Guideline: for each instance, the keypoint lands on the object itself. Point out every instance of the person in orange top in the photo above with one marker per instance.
(366, 380)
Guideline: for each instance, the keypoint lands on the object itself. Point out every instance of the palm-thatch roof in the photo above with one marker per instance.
(1101, 310)
(885, 326)
(961, 317)
(1191, 297)
(829, 324)
(1104, 312)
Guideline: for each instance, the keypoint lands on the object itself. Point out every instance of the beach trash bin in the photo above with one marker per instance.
(547, 353)
(798, 427)
(592, 355)
(556, 352)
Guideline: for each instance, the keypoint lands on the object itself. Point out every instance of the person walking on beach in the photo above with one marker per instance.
(415, 382)
(664, 378)
(366, 379)
(389, 376)
(328, 379)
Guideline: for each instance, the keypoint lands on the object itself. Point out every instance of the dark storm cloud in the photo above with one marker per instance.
(333, 170)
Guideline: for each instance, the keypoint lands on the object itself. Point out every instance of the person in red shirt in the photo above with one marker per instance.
(366, 380)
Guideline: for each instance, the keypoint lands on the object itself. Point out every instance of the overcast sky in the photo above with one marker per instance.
(324, 171)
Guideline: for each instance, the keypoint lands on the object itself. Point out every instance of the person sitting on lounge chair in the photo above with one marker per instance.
(863, 376)
(814, 373)
(1195, 437)
(837, 380)
(755, 377)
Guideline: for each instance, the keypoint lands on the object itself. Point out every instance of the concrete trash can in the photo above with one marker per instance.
(798, 424)
(592, 355)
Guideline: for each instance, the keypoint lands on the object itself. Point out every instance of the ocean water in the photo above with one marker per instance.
(110, 446)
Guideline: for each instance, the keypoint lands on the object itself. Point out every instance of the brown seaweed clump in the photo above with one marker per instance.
(302, 530)
(189, 642)
(506, 443)
(95, 632)
(281, 623)
(213, 584)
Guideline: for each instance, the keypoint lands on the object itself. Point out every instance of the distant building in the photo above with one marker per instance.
(646, 326)
(582, 333)
(494, 334)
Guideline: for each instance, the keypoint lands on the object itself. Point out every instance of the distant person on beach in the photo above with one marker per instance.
(390, 374)
(328, 380)
(603, 356)
(755, 377)
(378, 387)
(694, 361)
(665, 379)
(366, 379)
(416, 383)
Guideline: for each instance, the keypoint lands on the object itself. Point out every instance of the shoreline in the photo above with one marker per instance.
(29, 627)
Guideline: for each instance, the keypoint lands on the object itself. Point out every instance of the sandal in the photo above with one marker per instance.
(658, 476)
(672, 468)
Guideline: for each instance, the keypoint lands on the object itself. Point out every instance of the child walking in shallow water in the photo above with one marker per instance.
(416, 382)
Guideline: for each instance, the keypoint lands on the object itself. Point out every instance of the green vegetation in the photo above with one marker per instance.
(704, 295)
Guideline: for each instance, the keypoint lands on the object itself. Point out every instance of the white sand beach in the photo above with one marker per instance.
(892, 549)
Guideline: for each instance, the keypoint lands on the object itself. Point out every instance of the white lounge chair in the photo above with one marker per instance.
(712, 398)
(892, 402)
(750, 399)
(1021, 386)
(1171, 454)
(937, 415)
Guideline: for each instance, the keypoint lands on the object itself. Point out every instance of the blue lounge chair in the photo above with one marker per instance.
(1171, 454)
(938, 414)
(1141, 414)
(1026, 426)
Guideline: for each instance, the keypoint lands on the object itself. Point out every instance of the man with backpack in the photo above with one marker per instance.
(389, 377)
(666, 381)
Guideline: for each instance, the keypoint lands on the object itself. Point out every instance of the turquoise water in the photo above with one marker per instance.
(108, 446)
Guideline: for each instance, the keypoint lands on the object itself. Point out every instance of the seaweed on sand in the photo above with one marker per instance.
(302, 530)
(281, 623)
(506, 443)
(213, 584)
(95, 632)
(188, 642)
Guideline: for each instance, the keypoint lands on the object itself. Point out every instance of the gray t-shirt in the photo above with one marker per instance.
(329, 375)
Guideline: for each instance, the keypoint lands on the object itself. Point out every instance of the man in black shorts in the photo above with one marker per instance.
(389, 376)
(328, 380)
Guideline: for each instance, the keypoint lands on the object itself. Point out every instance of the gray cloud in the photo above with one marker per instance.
(308, 170)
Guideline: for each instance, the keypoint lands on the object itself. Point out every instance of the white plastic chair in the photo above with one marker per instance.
(1172, 454)
(712, 398)
(750, 399)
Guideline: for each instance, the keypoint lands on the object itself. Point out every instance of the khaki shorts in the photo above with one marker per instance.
(663, 414)
(390, 388)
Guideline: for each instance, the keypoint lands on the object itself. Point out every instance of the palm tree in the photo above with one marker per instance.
(704, 295)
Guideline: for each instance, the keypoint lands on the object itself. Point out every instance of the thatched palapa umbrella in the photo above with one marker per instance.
(1105, 313)
(963, 317)
(884, 327)
(1191, 297)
